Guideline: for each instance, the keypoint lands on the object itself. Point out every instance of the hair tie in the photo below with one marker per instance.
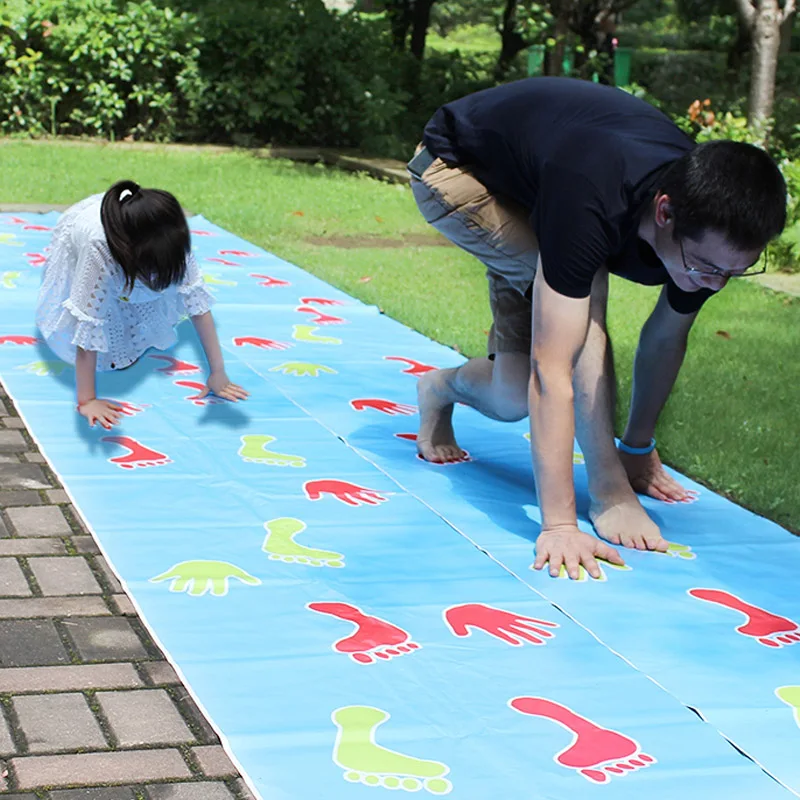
(124, 195)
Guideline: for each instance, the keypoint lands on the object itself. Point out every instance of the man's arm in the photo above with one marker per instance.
(662, 347)
(560, 325)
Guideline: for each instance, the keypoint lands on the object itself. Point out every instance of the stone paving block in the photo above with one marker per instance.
(15, 796)
(57, 496)
(85, 545)
(98, 793)
(110, 639)
(244, 790)
(190, 711)
(30, 643)
(160, 672)
(58, 722)
(146, 716)
(32, 547)
(63, 576)
(13, 582)
(12, 442)
(124, 605)
(8, 458)
(14, 423)
(22, 476)
(108, 574)
(4, 532)
(31, 607)
(24, 497)
(3, 409)
(41, 521)
(214, 761)
(34, 458)
(73, 678)
(6, 741)
(202, 790)
(92, 769)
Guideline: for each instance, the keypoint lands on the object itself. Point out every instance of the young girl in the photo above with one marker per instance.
(119, 276)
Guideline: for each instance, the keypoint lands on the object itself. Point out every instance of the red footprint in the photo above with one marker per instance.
(18, 340)
(264, 344)
(203, 233)
(176, 367)
(36, 259)
(139, 455)
(320, 318)
(384, 406)
(412, 437)
(348, 493)
(320, 301)
(596, 753)
(414, 367)
(373, 639)
(240, 253)
(36, 228)
(224, 261)
(266, 280)
(768, 629)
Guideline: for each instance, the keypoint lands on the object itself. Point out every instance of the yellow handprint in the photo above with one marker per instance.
(10, 239)
(213, 280)
(198, 577)
(9, 278)
(302, 369)
(44, 368)
(305, 333)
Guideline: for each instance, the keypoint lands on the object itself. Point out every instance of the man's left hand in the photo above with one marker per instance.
(647, 476)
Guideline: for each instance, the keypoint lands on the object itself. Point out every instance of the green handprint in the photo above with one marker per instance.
(10, 239)
(305, 333)
(9, 278)
(198, 577)
(254, 449)
(213, 280)
(44, 368)
(681, 551)
(302, 368)
(584, 576)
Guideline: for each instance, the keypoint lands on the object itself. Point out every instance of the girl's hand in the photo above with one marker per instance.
(221, 386)
(105, 412)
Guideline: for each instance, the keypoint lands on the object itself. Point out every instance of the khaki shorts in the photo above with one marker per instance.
(495, 230)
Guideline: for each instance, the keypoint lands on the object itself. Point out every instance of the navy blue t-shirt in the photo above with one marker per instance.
(584, 159)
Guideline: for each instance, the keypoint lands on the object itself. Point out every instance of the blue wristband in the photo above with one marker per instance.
(637, 451)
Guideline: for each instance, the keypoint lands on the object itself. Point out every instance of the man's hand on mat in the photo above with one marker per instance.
(221, 386)
(625, 522)
(647, 476)
(105, 412)
(573, 549)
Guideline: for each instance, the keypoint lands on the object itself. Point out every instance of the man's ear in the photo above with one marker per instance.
(663, 211)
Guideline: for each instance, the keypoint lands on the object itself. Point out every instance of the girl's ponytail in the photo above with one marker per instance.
(113, 213)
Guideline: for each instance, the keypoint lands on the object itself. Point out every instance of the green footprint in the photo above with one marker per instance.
(10, 239)
(681, 551)
(791, 696)
(213, 280)
(44, 368)
(254, 449)
(364, 761)
(9, 279)
(305, 333)
(281, 546)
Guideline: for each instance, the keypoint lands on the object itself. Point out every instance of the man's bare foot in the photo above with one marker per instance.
(436, 440)
(625, 522)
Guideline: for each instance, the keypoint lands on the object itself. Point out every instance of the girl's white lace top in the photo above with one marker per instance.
(83, 301)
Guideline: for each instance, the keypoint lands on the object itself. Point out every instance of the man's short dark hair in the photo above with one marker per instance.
(733, 188)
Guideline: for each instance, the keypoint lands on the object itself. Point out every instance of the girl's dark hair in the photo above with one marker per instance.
(733, 188)
(147, 234)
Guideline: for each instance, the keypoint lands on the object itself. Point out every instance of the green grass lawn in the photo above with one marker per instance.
(732, 420)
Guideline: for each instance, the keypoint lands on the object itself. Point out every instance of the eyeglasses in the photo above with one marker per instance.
(721, 273)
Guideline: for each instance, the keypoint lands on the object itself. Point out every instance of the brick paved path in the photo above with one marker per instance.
(90, 708)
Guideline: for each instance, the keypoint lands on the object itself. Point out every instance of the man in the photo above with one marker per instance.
(553, 183)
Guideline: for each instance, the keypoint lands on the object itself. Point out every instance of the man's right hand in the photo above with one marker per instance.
(572, 548)
(103, 411)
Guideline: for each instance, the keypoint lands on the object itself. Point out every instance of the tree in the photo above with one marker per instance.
(764, 19)
(409, 21)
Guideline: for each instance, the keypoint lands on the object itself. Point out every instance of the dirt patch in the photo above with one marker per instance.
(351, 242)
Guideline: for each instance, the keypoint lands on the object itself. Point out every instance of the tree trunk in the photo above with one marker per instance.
(420, 21)
(399, 13)
(554, 63)
(511, 40)
(766, 42)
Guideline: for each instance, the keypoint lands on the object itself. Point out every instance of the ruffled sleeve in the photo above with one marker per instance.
(192, 291)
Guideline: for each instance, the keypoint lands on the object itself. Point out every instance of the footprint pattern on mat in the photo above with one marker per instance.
(280, 545)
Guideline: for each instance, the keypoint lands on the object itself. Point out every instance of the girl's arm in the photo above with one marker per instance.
(218, 381)
(102, 411)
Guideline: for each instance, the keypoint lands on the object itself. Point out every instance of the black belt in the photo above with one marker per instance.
(421, 162)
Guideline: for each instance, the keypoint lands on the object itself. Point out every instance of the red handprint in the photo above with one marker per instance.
(139, 455)
(203, 233)
(224, 261)
(267, 280)
(264, 344)
(199, 399)
(320, 301)
(503, 625)
(594, 752)
(36, 228)
(36, 259)
(130, 409)
(349, 493)
(414, 367)
(241, 253)
(18, 340)
(320, 318)
(384, 406)
(17, 221)
(176, 367)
